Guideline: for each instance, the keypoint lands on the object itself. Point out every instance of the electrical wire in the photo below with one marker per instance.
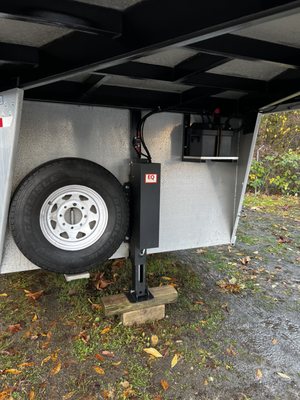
(139, 141)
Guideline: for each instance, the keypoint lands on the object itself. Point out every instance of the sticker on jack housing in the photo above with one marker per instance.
(150, 178)
(5, 122)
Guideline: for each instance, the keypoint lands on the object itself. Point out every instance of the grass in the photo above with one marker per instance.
(286, 206)
(69, 317)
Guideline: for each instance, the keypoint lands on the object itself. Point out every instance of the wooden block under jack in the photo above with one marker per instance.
(151, 309)
(144, 315)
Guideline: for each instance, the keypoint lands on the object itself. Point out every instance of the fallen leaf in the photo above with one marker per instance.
(258, 374)
(230, 287)
(153, 352)
(205, 382)
(200, 251)
(174, 361)
(108, 353)
(95, 307)
(12, 371)
(230, 351)
(283, 376)
(68, 395)
(31, 395)
(84, 336)
(166, 278)
(283, 239)
(128, 393)
(157, 397)
(3, 295)
(14, 328)
(54, 355)
(274, 341)
(5, 394)
(116, 363)
(55, 370)
(99, 357)
(233, 281)
(105, 330)
(117, 264)
(26, 364)
(45, 360)
(99, 370)
(107, 394)
(34, 318)
(35, 295)
(125, 384)
(100, 282)
(154, 340)
(245, 260)
(200, 302)
(164, 384)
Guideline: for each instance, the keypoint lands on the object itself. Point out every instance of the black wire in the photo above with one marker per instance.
(140, 135)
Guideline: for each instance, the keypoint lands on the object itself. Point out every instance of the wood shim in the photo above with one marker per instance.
(119, 303)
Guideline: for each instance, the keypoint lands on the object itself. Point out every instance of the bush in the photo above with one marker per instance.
(276, 174)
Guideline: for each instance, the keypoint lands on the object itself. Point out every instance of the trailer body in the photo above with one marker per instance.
(89, 72)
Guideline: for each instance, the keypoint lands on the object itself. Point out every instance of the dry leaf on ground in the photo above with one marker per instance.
(108, 353)
(31, 395)
(84, 336)
(154, 340)
(68, 395)
(283, 239)
(283, 376)
(105, 330)
(33, 295)
(153, 352)
(45, 360)
(99, 357)
(95, 307)
(12, 371)
(26, 364)
(230, 351)
(34, 318)
(258, 374)
(99, 370)
(174, 360)
(245, 260)
(14, 328)
(3, 295)
(55, 370)
(108, 394)
(100, 282)
(164, 384)
(125, 384)
(5, 394)
(230, 287)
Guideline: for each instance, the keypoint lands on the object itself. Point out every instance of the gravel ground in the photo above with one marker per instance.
(233, 334)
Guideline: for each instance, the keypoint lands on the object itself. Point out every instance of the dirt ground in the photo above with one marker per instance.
(233, 334)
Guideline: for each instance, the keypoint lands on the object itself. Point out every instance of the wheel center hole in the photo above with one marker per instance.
(73, 216)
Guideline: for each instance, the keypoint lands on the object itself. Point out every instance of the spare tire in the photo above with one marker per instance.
(69, 215)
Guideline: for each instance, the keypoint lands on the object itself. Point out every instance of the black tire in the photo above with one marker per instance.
(32, 193)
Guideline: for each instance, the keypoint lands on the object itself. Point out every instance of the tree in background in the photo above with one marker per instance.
(276, 165)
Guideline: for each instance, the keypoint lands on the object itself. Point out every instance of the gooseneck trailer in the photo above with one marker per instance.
(127, 127)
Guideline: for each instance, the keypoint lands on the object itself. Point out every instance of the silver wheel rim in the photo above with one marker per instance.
(73, 217)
